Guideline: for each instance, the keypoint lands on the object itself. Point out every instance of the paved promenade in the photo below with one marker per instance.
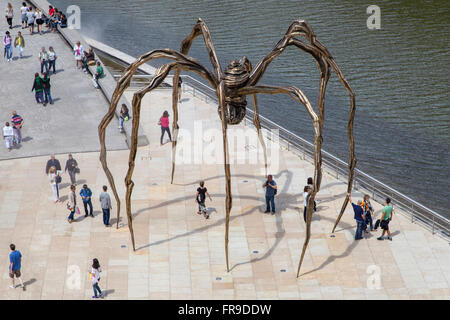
(70, 124)
(181, 255)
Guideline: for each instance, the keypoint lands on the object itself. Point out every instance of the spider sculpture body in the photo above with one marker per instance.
(232, 86)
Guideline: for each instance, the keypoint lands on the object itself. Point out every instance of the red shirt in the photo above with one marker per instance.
(51, 12)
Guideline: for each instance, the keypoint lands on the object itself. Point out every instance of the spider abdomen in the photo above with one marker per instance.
(234, 109)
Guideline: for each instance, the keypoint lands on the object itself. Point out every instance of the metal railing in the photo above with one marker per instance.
(363, 182)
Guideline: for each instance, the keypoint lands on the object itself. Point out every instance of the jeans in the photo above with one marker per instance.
(20, 48)
(51, 65)
(359, 229)
(369, 221)
(96, 289)
(39, 95)
(9, 52)
(72, 213)
(120, 122)
(48, 96)
(86, 203)
(44, 64)
(72, 177)
(106, 213)
(163, 130)
(270, 200)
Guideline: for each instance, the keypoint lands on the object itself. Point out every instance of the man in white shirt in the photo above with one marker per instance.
(8, 135)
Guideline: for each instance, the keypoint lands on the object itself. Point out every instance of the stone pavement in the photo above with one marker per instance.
(181, 255)
(70, 124)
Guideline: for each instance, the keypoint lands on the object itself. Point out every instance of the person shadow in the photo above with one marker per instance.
(28, 282)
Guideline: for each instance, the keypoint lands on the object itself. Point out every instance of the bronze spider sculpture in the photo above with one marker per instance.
(232, 85)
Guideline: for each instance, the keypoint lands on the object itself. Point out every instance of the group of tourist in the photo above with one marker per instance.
(53, 170)
(12, 132)
(363, 211)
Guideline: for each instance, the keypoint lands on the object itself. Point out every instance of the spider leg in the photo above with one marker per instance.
(324, 61)
(199, 28)
(228, 200)
(123, 83)
(256, 122)
(299, 96)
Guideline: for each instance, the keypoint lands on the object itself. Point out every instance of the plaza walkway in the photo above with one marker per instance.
(70, 124)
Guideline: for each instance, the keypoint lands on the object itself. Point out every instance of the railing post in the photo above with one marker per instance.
(412, 213)
(432, 229)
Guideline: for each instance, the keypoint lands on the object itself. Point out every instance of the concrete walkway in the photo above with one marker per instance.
(181, 255)
(70, 124)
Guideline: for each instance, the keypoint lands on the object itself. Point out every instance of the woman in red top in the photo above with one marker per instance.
(164, 122)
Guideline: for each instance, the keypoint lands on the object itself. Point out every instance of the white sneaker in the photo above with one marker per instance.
(12, 287)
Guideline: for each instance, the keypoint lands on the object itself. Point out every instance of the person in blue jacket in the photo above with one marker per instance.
(86, 195)
(359, 217)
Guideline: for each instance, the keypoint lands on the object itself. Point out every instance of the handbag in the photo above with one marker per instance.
(58, 179)
(77, 170)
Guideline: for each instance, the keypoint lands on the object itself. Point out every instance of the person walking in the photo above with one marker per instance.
(124, 116)
(38, 88)
(95, 278)
(39, 20)
(46, 85)
(72, 168)
(99, 73)
(200, 198)
(53, 162)
(23, 14)
(164, 123)
(52, 59)
(8, 136)
(72, 204)
(271, 191)
(310, 184)
(15, 264)
(53, 175)
(7, 42)
(359, 217)
(368, 210)
(78, 53)
(105, 202)
(306, 192)
(385, 219)
(19, 43)
(17, 123)
(30, 19)
(86, 195)
(9, 14)
(43, 59)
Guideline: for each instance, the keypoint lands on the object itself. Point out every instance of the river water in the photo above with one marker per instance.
(400, 73)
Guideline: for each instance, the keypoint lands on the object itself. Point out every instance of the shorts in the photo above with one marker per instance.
(14, 273)
(24, 18)
(384, 224)
(39, 21)
(31, 24)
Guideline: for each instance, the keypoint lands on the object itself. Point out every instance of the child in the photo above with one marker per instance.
(200, 198)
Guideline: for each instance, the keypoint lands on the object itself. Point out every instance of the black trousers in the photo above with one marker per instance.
(163, 130)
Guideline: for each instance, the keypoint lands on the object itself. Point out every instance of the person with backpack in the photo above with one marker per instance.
(368, 210)
(38, 88)
(17, 123)
(271, 191)
(95, 278)
(200, 198)
(164, 123)
(385, 219)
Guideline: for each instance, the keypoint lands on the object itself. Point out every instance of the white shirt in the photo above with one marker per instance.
(305, 196)
(78, 51)
(51, 55)
(8, 131)
(23, 10)
(30, 16)
(95, 275)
